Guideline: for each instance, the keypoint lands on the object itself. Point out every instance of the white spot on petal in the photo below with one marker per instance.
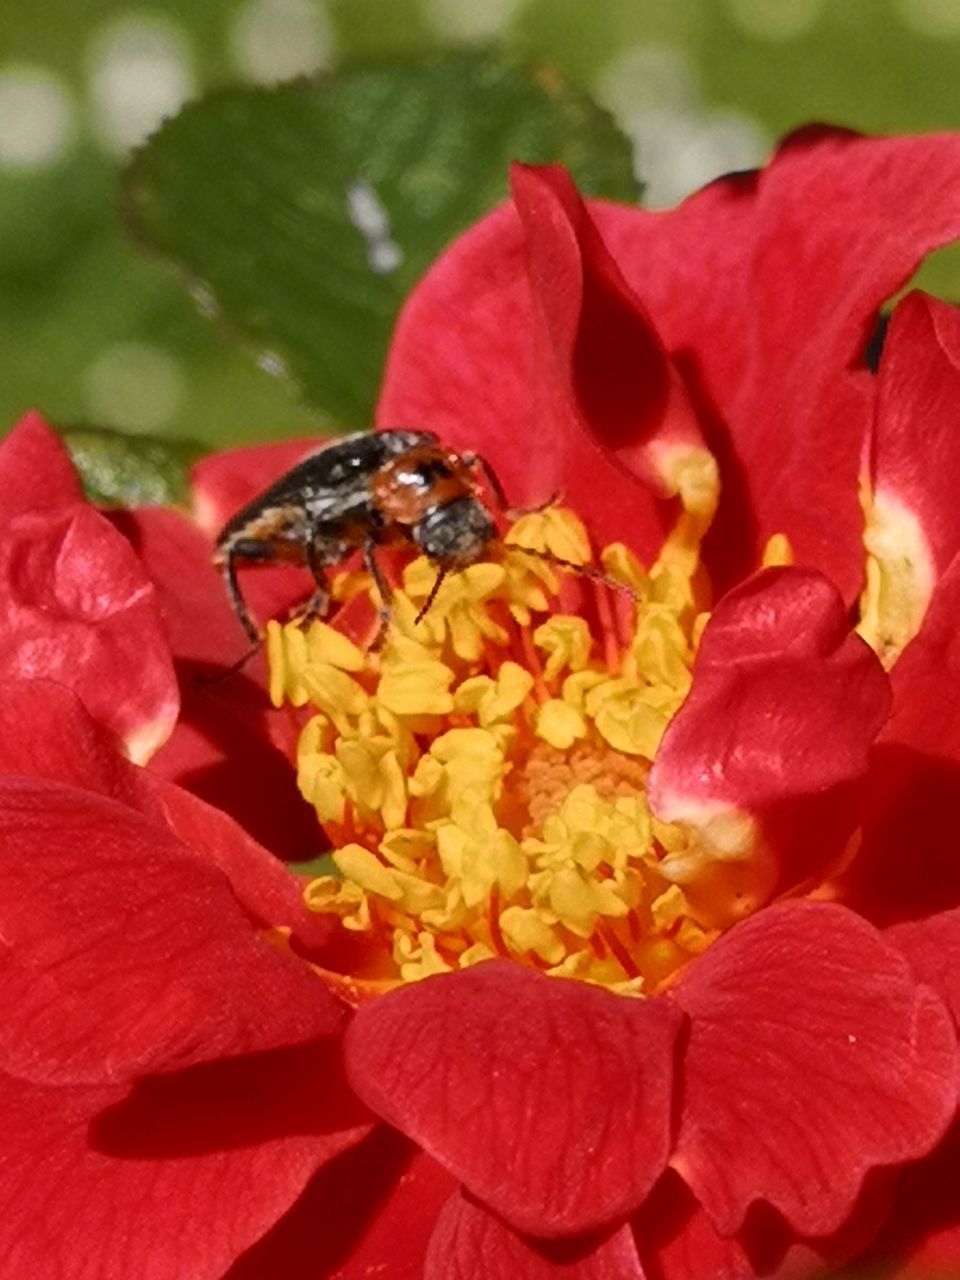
(273, 40)
(133, 385)
(142, 743)
(36, 117)
(140, 73)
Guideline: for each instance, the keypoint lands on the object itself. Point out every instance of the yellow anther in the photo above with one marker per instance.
(420, 959)
(583, 810)
(559, 723)
(416, 688)
(325, 644)
(692, 474)
(323, 783)
(393, 781)
(475, 954)
(576, 687)
(287, 656)
(363, 868)
(525, 932)
(494, 699)
(556, 531)
(626, 716)
(578, 901)
(693, 937)
(334, 692)
(567, 641)
(327, 893)
(698, 628)
(459, 605)
(777, 552)
(661, 650)
(485, 775)
(620, 563)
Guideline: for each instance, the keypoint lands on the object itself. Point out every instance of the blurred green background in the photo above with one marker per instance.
(92, 332)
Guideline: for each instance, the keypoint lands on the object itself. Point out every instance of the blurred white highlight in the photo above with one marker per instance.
(470, 19)
(775, 19)
(936, 18)
(274, 40)
(372, 221)
(37, 120)
(140, 73)
(136, 386)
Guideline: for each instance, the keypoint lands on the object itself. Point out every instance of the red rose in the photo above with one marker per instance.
(753, 842)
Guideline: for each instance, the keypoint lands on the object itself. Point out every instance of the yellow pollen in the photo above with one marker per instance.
(482, 778)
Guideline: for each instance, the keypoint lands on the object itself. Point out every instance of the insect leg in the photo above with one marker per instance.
(425, 607)
(475, 460)
(236, 598)
(383, 589)
(316, 606)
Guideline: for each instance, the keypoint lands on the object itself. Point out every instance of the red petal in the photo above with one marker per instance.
(549, 1099)
(926, 693)
(125, 953)
(369, 1213)
(607, 380)
(46, 732)
(784, 707)
(610, 361)
(677, 1241)
(922, 1236)
(263, 886)
(473, 359)
(226, 481)
(78, 608)
(766, 286)
(83, 754)
(763, 287)
(36, 474)
(916, 454)
(230, 746)
(932, 945)
(914, 784)
(175, 1180)
(471, 1244)
(814, 1056)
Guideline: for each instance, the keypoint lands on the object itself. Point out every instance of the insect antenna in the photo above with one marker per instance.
(584, 570)
(234, 669)
(425, 607)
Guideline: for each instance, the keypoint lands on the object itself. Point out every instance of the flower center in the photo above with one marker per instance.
(482, 778)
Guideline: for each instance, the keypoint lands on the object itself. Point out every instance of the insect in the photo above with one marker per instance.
(368, 490)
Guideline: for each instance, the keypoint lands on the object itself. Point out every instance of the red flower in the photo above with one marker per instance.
(776, 1099)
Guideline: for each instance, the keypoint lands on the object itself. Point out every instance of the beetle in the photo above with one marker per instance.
(364, 491)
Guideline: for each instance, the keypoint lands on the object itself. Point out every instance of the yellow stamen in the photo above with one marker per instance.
(483, 777)
(489, 801)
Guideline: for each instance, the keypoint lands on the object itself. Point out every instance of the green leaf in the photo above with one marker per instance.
(302, 215)
(322, 865)
(131, 471)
